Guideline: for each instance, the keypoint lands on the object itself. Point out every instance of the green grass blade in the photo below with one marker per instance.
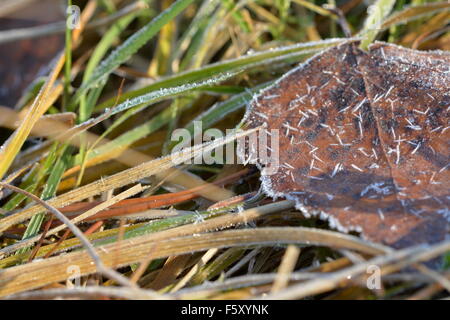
(132, 45)
(99, 52)
(241, 63)
(49, 191)
(156, 122)
(377, 13)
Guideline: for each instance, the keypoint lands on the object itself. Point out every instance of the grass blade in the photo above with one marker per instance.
(132, 45)
(377, 13)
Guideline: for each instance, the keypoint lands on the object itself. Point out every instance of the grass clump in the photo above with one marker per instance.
(153, 67)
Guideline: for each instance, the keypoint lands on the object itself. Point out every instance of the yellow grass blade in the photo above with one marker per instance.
(12, 146)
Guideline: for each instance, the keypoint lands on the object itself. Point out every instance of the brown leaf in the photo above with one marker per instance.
(364, 140)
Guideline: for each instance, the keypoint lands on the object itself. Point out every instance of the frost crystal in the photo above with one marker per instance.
(364, 136)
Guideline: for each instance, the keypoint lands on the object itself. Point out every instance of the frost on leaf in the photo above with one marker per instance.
(364, 140)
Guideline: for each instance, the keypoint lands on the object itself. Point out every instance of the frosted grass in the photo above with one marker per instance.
(243, 63)
(132, 45)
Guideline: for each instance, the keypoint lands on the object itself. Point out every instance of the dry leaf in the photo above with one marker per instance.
(364, 140)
